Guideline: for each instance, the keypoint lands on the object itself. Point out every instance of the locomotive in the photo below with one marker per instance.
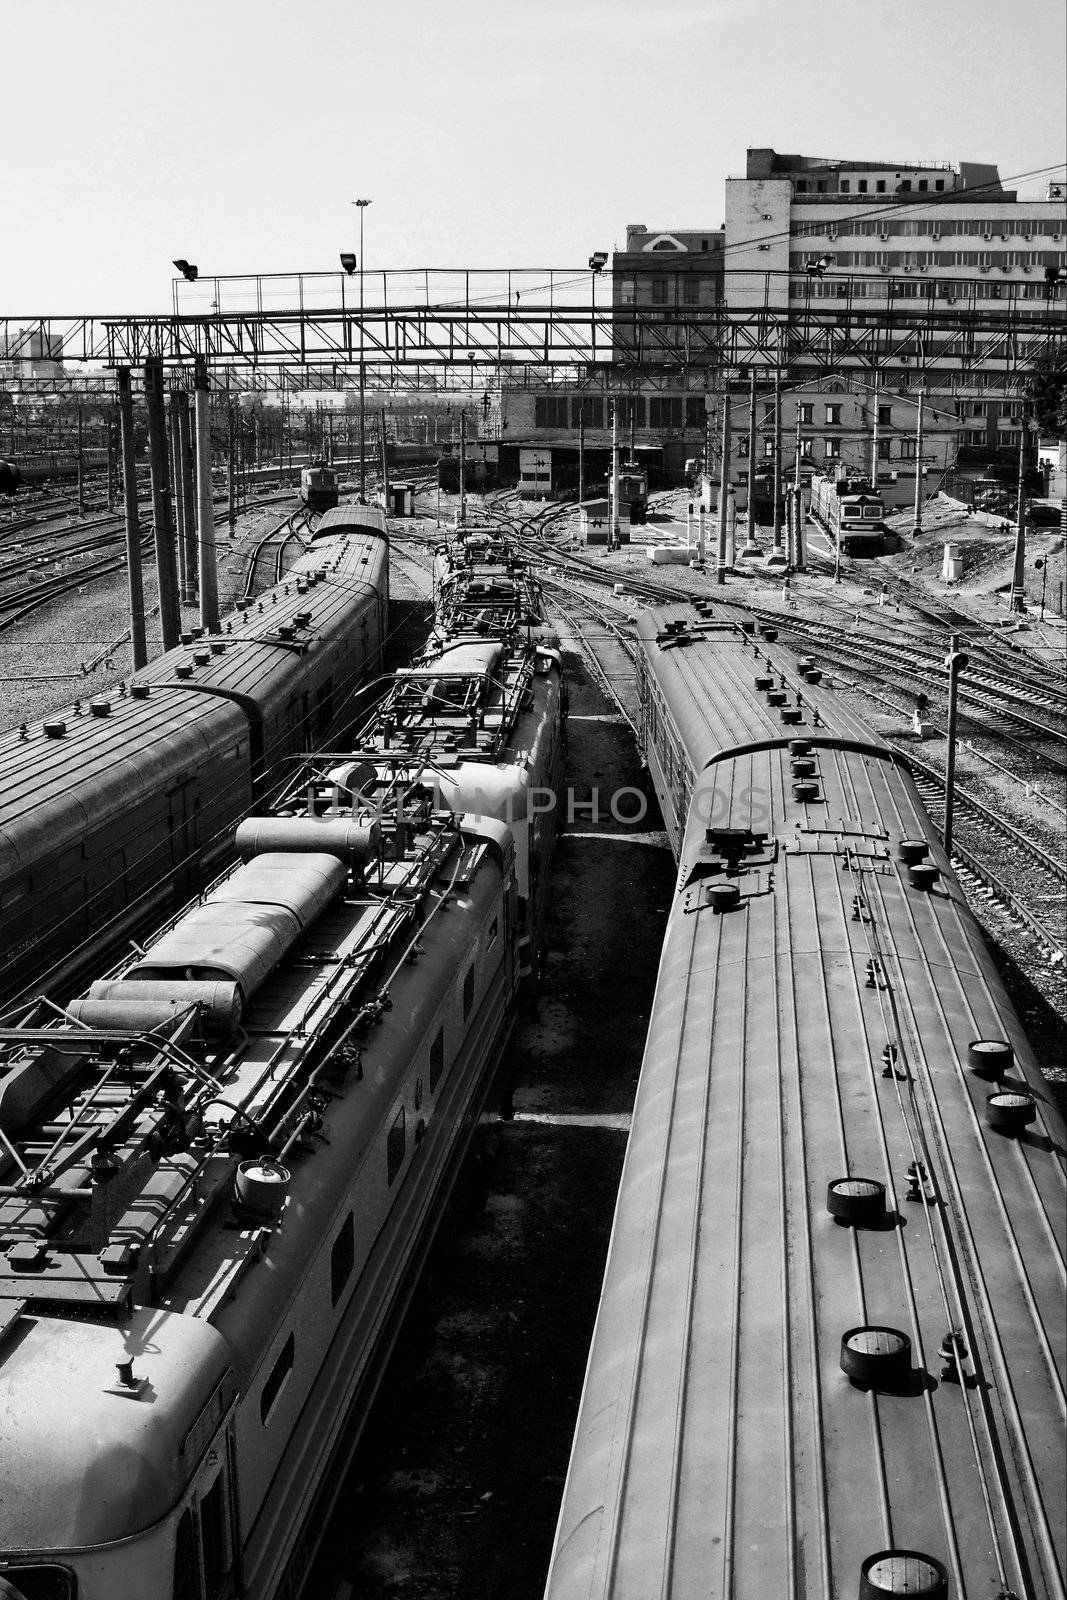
(851, 512)
(112, 813)
(318, 486)
(829, 1352)
(222, 1169)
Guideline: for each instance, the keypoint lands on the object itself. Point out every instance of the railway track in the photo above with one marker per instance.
(266, 563)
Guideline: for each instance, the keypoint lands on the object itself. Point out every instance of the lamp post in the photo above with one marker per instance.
(362, 206)
(597, 263)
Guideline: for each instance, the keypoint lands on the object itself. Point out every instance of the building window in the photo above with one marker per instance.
(905, 185)
(691, 290)
(907, 449)
(845, 186)
(695, 411)
(802, 186)
(880, 186)
(862, 186)
(395, 1145)
(630, 410)
(626, 292)
(742, 446)
(768, 449)
(807, 414)
(939, 184)
(550, 411)
(807, 446)
(829, 449)
(833, 416)
(883, 449)
(885, 416)
(588, 409)
(659, 291)
(665, 411)
(768, 411)
(923, 185)
(342, 1258)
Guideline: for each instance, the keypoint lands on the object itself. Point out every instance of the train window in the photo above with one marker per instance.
(187, 1584)
(342, 1258)
(396, 1144)
(437, 1059)
(468, 993)
(276, 1382)
(491, 939)
(14, 893)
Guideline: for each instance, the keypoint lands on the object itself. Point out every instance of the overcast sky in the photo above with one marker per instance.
(486, 133)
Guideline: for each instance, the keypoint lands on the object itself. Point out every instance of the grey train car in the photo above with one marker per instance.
(114, 811)
(829, 1354)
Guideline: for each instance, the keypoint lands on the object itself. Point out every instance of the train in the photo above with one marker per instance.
(223, 1165)
(486, 704)
(829, 1352)
(319, 486)
(114, 811)
(851, 512)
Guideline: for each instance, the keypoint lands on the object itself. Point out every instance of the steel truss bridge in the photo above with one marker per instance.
(439, 330)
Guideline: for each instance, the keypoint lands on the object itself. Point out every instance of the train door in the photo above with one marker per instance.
(183, 822)
(205, 1553)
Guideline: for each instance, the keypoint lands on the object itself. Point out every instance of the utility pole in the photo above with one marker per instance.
(616, 530)
(798, 508)
(362, 206)
(134, 578)
(463, 468)
(385, 467)
(166, 573)
(955, 661)
(874, 431)
(720, 565)
(1018, 577)
(751, 547)
(777, 557)
(231, 469)
(581, 453)
(81, 466)
(209, 581)
(190, 565)
(919, 485)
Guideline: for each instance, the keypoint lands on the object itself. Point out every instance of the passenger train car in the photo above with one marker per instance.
(220, 1171)
(851, 512)
(318, 486)
(112, 812)
(829, 1355)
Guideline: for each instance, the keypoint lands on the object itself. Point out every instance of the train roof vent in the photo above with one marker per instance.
(912, 850)
(896, 1572)
(990, 1058)
(184, 669)
(100, 706)
(202, 657)
(187, 638)
(1010, 1110)
(877, 1358)
(218, 647)
(55, 729)
(243, 604)
(924, 874)
(140, 691)
(859, 1201)
(286, 630)
(302, 619)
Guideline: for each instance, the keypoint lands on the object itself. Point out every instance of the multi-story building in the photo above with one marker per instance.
(875, 245)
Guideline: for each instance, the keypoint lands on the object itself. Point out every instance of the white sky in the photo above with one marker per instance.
(520, 133)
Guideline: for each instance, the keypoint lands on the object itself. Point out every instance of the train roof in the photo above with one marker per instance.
(708, 670)
(174, 1272)
(174, 708)
(351, 517)
(810, 1040)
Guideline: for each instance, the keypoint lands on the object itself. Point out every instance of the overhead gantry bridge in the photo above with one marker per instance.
(540, 328)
